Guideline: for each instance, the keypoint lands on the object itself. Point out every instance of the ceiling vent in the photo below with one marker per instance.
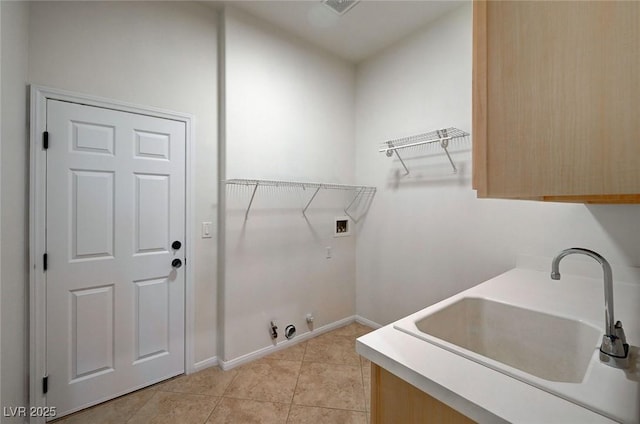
(340, 6)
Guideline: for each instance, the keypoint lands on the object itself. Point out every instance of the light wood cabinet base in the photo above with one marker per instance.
(393, 401)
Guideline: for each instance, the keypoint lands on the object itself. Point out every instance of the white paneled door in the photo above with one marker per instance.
(115, 247)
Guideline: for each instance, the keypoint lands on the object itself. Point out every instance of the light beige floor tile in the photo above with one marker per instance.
(366, 379)
(292, 353)
(313, 415)
(366, 365)
(355, 330)
(367, 392)
(361, 329)
(332, 376)
(348, 330)
(267, 380)
(175, 408)
(246, 411)
(211, 382)
(331, 386)
(113, 412)
(330, 349)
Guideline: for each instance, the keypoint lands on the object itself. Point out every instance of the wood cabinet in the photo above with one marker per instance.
(394, 401)
(556, 100)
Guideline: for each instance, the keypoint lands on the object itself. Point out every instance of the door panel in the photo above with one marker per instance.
(92, 227)
(152, 213)
(92, 342)
(115, 202)
(153, 146)
(152, 318)
(93, 138)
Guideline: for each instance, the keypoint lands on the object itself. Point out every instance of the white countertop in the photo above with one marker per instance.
(488, 396)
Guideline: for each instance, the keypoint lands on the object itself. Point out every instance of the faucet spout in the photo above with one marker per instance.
(614, 344)
(608, 281)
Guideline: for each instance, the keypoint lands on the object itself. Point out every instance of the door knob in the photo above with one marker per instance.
(176, 245)
(176, 263)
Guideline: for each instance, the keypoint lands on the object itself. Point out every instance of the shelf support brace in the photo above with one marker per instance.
(310, 200)
(406, 170)
(444, 143)
(346, 210)
(390, 152)
(253, 194)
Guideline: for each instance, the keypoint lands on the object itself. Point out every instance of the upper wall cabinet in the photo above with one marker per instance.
(556, 100)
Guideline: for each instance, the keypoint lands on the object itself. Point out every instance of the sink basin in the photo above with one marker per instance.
(523, 325)
(509, 338)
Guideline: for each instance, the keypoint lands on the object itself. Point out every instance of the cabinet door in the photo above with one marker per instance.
(556, 100)
(393, 401)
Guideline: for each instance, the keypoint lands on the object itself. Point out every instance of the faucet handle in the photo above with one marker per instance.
(619, 332)
(613, 352)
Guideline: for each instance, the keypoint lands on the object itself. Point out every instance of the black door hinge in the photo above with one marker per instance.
(45, 384)
(45, 140)
(45, 261)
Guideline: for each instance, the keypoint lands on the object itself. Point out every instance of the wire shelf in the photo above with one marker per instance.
(303, 185)
(442, 137)
(361, 191)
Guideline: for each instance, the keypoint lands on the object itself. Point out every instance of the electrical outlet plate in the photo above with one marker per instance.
(341, 226)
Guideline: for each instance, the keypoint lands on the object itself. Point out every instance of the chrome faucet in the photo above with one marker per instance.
(614, 350)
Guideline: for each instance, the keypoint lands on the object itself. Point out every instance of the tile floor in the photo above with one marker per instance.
(320, 381)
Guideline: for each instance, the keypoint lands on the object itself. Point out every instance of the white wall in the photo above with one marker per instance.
(426, 236)
(290, 116)
(160, 54)
(14, 155)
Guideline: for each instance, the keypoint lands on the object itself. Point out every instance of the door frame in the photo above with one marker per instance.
(37, 225)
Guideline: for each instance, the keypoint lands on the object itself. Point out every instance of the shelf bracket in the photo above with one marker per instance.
(391, 151)
(406, 170)
(246, 215)
(310, 200)
(346, 210)
(444, 143)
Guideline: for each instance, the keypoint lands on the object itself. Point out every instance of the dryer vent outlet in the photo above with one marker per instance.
(290, 331)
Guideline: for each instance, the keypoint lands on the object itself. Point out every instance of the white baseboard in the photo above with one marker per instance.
(241, 360)
(201, 365)
(368, 322)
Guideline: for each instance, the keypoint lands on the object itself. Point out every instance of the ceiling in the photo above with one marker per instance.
(367, 28)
